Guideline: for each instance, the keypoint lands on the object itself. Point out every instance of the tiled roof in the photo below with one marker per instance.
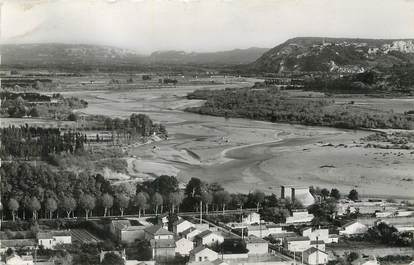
(254, 239)
(204, 234)
(312, 250)
(297, 238)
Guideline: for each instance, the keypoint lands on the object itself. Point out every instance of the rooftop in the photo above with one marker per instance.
(162, 243)
(297, 238)
(251, 239)
(157, 230)
(204, 234)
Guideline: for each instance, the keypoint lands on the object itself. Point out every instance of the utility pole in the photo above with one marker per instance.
(201, 211)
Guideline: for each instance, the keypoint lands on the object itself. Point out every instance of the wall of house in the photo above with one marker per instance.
(206, 255)
(184, 247)
(162, 254)
(314, 259)
(46, 243)
(130, 236)
(257, 248)
(63, 239)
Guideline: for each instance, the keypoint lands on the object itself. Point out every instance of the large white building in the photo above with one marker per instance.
(50, 239)
(314, 256)
(256, 245)
(353, 228)
(202, 253)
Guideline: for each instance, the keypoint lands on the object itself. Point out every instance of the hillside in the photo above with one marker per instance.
(334, 55)
(55, 54)
(232, 57)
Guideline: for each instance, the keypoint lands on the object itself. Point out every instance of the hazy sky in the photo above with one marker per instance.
(201, 25)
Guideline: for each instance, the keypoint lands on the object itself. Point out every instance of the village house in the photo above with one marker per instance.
(258, 230)
(251, 218)
(297, 244)
(157, 232)
(127, 230)
(256, 245)
(22, 244)
(182, 225)
(15, 259)
(208, 238)
(320, 234)
(202, 253)
(190, 233)
(183, 246)
(163, 249)
(50, 239)
(299, 216)
(314, 256)
(352, 229)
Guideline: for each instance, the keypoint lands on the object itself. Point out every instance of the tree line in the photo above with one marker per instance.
(41, 192)
(271, 105)
(28, 142)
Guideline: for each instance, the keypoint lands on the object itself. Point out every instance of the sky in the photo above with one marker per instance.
(200, 25)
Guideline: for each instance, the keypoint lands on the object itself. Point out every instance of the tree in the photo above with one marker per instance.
(352, 256)
(324, 193)
(107, 202)
(34, 113)
(123, 202)
(157, 201)
(34, 206)
(194, 187)
(222, 198)
(51, 206)
(72, 117)
(335, 194)
(111, 258)
(87, 203)
(207, 199)
(175, 200)
(258, 197)
(353, 195)
(68, 205)
(140, 201)
(13, 206)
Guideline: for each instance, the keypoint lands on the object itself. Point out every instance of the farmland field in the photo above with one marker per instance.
(83, 236)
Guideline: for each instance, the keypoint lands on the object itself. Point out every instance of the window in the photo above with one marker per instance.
(200, 259)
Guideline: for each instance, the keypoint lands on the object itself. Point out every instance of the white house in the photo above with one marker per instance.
(297, 244)
(320, 234)
(50, 239)
(19, 260)
(190, 233)
(251, 218)
(299, 216)
(314, 256)
(353, 228)
(182, 225)
(208, 238)
(183, 246)
(256, 245)
(157, 232)
(202, 253)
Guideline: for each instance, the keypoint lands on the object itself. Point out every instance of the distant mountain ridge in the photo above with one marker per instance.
(236, 56)
(343, 55)
(56, 53)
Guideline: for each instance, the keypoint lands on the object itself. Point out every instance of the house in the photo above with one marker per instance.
(19, 260)
(251, 218)
(320, 234)
(182, 225)
(280, 237)
(157, 232)
(258, 230)
(202, 253)
(301, 194)
(50, 239)
(208, 238)
(319, 244)
(256, 245)
(190, 233)
(183, 246)
(207, 262)
(299, 216)
(353, 228)
(127, 230)
(163, 249)
(314, 256)
(297, 244)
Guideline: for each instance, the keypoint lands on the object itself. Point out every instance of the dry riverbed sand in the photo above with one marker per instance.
(245, 155)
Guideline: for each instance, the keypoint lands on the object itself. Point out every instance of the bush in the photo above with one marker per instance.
(72, 117)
